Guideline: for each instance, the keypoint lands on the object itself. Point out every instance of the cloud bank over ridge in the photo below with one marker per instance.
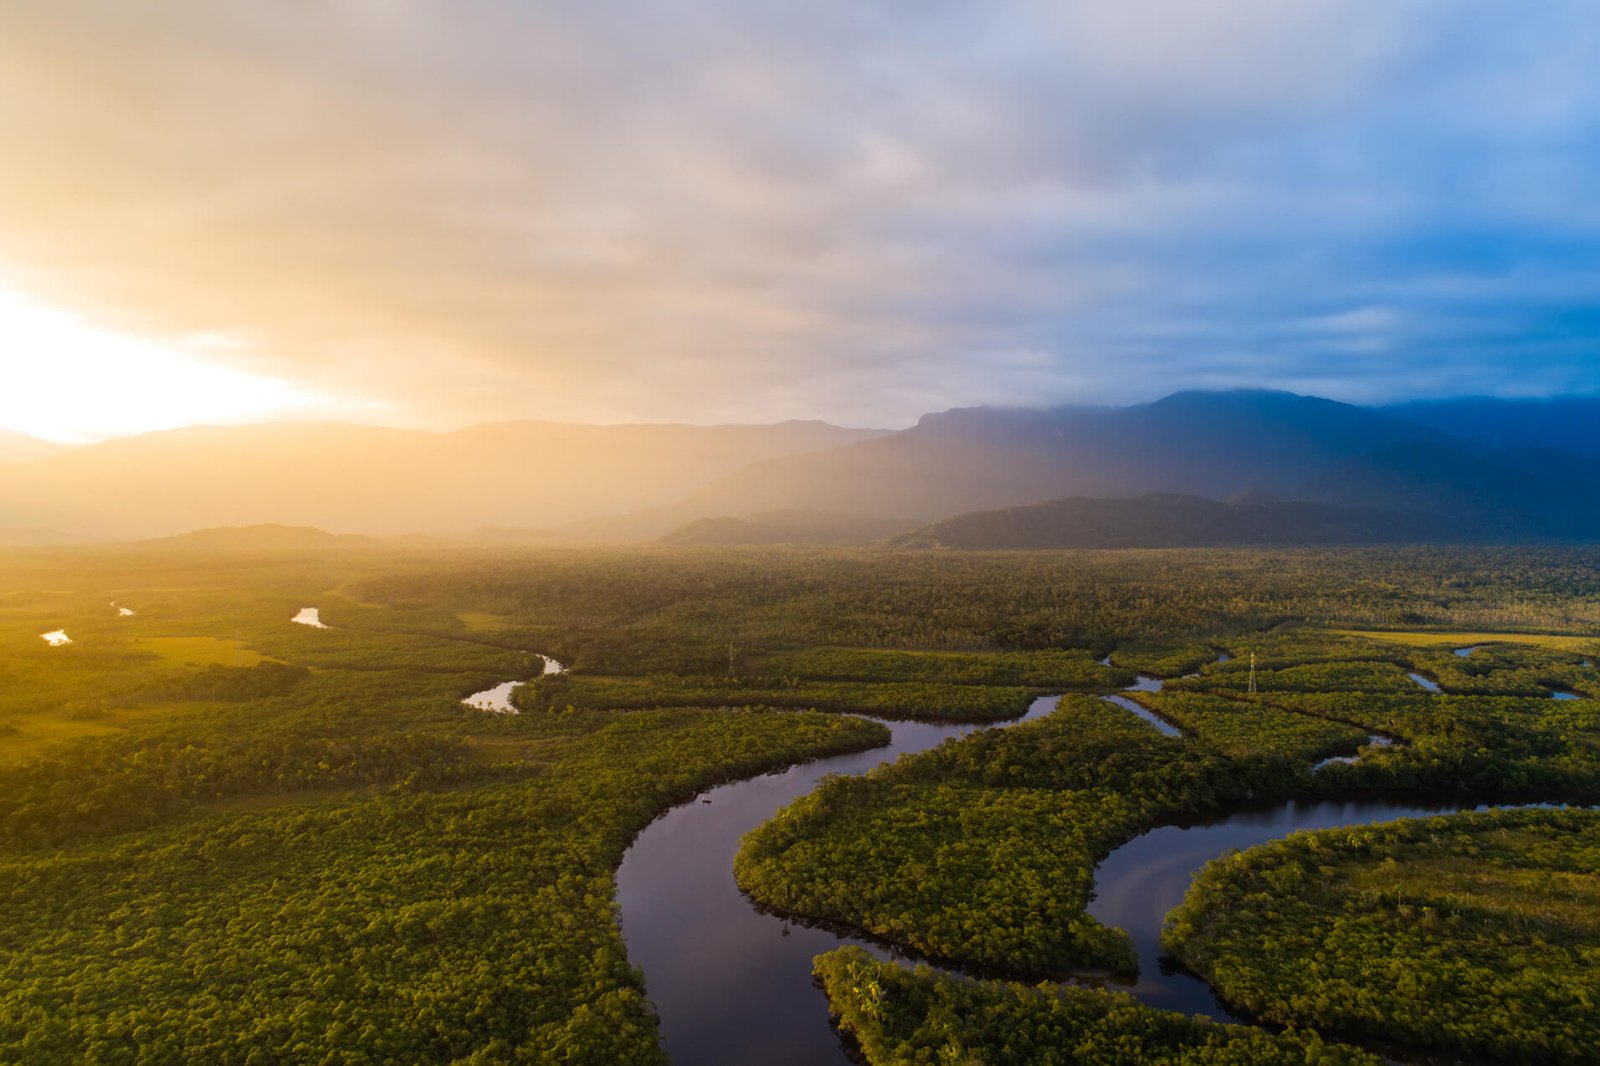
(722, 211)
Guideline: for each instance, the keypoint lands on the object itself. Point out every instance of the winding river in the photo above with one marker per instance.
(497, 700)
(732, 984)
(1145, 878)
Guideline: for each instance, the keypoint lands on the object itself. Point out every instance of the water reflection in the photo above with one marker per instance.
(497, 700)
(1141, 881)
(1161, 725)
(1427, 683)
(1373, 741)
(733, 984)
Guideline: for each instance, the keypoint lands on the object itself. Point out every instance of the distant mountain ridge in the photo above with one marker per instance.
(1163, 520)
(1566, 423)
(1527, 494)
(1199, 444)
(972, 458)
(386, 481)
(20, 448)
(1457, 470)
(267, 536)
(1436, 478)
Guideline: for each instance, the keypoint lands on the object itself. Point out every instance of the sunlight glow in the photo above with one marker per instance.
(66, 381)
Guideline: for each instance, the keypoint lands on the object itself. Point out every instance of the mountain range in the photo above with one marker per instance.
(1297, 469)
(20, 448)
(1164, 520)
(367, 479)
(1471, 470)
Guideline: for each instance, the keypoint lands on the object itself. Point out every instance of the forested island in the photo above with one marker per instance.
(229, 837)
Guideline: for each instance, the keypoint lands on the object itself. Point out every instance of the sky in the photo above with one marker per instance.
(438, 213)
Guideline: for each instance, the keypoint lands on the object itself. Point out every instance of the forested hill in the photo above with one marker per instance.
(267, 537)
(1531, 494)
(1200, 444)
(1160, 520)
(1569, 423)
(1479, 470)
(1444, 471)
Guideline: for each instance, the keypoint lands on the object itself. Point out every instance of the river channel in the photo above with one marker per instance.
(732, 984)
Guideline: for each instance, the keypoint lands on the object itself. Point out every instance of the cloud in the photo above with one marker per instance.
(735, 210)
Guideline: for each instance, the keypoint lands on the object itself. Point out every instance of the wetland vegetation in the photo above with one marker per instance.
(901, 1016)
(226, 834)
(1487, 923)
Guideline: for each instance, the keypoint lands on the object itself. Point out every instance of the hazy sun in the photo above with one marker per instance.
(66, 381)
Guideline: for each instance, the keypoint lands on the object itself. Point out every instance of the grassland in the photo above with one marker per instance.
(201, 651)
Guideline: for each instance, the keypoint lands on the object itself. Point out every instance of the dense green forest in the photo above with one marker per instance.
(930, 851)
(900, 1016)
(983, 850)
(1488, 924)
(229, 837)
(886, 699)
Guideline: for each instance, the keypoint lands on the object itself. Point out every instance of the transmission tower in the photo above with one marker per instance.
(1252, 673)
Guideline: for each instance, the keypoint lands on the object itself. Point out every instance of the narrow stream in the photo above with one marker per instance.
(1555, 693)
(497, 700)
(1374, 740)
(1157, 722)
(733, 984)
(1427, 683)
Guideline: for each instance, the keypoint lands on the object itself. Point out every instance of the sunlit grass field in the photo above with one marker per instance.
(202, 651)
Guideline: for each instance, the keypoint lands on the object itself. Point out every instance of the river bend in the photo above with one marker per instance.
(732, 984)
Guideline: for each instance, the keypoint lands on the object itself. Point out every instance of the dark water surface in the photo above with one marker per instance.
(733, 985)
(1141, 881)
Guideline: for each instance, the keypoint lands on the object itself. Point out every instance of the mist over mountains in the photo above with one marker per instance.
(365, 479)
(1297, 469)
(20, 448)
